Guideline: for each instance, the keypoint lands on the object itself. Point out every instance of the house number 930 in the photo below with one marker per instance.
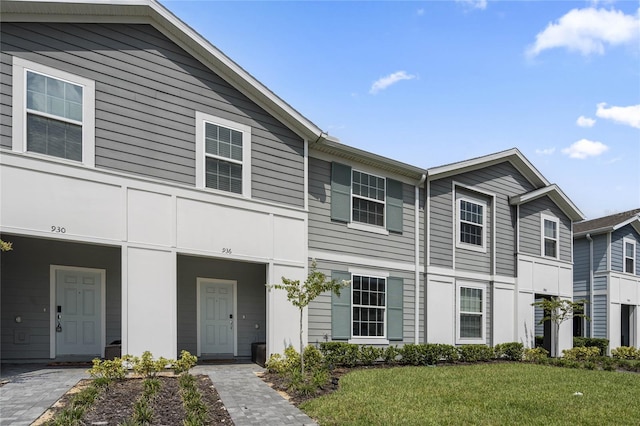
(226, 250)
(58, 229)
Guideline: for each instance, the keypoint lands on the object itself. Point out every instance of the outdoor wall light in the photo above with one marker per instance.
(257, 326)
(18, 319)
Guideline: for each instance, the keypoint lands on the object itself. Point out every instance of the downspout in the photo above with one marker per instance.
(590, 283)
(416, 211)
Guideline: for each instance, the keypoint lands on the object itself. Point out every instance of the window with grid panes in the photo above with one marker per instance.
(223, 158)
(629, 256)
(470, 313)
(550, 237)
(368, 198)
(368, 306)
(471, 220)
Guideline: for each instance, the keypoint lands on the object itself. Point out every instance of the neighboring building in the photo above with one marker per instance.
(606, 274)
(498, 237)
(151, 188)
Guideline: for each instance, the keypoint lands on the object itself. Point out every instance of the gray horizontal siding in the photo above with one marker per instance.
(320, 309)
(5, 100)
(471, 260)
(617, 248)
(147, 92)
(336, 237)
(504, 181)
(531, 228)
(25, 285)
(599, 320)
(581, 265)
(600, 283)
(600, 244)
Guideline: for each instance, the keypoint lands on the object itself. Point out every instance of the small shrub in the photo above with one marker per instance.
(589, 365)
(475, 353)
(320, 377)
(275, 364)
(537, 355)
(448, 353)
(369, 354)
(608, 364)
(390, 355)
(412, 354)
(625, 352)
(340, 353)
(581, 353)
(313, 358)
(512, 351)
(185, 363)
(602, 344)
(108, 369)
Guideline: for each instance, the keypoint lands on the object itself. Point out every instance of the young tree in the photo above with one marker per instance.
(301, 294)
(557, 311)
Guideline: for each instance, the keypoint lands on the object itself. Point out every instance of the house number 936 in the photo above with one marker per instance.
(58, 229)
(226, 250)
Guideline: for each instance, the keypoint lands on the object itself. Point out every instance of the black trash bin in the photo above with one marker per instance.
(259, 353)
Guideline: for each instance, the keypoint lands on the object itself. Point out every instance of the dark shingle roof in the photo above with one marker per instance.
(605, 222)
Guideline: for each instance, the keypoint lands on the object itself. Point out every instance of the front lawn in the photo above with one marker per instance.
(480, 394)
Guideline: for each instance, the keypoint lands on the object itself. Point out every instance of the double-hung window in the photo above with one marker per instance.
(53, 112)
(471, 321)
(550, 227)
(223, 150)
(368, 198)
(471, 224)
(629, 255)
(369, 306)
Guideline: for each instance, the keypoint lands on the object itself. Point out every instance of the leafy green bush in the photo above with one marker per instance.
(284, 364)
(412, 354)
(340, 353)
(475, 353)
(146, 366)
(390, 355)
(512, 351)
(602, 344)
(184, 363)
(108, 369)
(625, 352)
(537, 355)
(369, 354)
(448, 353)
(581, 353)
(313, 358)
(608, 364)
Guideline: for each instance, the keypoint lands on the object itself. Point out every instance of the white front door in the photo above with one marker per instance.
(78, 312)
(216, 317)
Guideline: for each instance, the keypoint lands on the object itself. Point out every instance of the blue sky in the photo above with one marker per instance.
(435, 82)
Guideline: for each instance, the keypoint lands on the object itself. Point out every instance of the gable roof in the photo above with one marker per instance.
(608, 223)
(153, 13)
(554, 192)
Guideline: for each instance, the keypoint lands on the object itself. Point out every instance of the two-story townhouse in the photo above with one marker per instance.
(607, 276)
(366, 226)
(498, 238)
(150, 186)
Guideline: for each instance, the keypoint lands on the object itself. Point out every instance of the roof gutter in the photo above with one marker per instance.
(590, 282)
(416, 210)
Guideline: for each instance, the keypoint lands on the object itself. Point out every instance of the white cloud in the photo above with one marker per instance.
(585, 148)
(629, 115)
(384, 82)
(588, 31)
(546, 151)
(583, 121)
(474, 4)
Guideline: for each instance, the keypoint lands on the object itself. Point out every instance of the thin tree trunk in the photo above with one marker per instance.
(301, 348)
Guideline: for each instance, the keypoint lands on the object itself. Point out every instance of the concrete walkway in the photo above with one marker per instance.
(31, 389)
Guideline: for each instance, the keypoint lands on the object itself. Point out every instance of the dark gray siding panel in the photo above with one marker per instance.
(600, 243)
(599, 283)
(599, 321)
(617, 248)
(581, 265)
(472, 260)
(25, 289)
(504, 181)
(6, 97)
(531, 228)
(147, 93)
(336, 237)
(251, 299)
(320, 308)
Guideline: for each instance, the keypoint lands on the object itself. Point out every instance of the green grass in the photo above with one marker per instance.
(481, 394)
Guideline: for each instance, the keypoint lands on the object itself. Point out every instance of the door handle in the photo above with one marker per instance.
(231, 324)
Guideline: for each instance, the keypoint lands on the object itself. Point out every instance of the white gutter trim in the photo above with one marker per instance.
(417, 258)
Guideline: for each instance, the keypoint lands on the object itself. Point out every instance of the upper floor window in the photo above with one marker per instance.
(550, 226)
(471, 224)
(471, 316)
(369, 306)
(629, 255)
(54, 112)
(223, 151)
(366, 201)
(368, 198)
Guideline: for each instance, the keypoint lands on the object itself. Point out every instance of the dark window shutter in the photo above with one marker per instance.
(394, 205)
(394, 308)
(340, 192)
(341, 308)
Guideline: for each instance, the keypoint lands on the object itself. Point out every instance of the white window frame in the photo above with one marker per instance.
(625, 256)
(201, 120)
(543, 218)
(459, 242)
(382, 229)
(372, 340)
(19, 120)
(468, 340)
